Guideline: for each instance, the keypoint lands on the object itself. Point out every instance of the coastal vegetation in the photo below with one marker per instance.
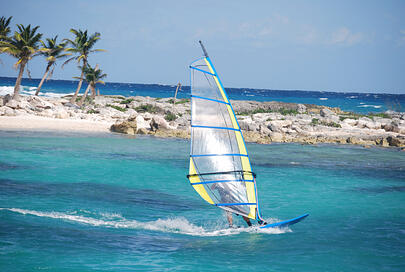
(4, 27)
(146, 108)
(82, 45)
(93, 76)
(26, 43)
(23, 45)
(170, 116)
(282, 111)
(52, 52)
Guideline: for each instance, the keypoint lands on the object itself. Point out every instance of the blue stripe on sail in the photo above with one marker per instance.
(202, 71)
(210, 99)
(210, 155)
(227, 128)
(219, 181)
(234, 204)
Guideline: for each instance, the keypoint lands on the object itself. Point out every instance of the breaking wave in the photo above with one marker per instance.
(25, 90)
(369, 106)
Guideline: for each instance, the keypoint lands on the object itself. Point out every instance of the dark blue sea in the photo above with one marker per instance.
(355, 102)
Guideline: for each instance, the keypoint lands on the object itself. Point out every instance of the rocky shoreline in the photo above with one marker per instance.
(261, 122)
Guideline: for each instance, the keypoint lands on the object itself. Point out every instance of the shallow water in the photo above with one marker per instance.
(114, 203)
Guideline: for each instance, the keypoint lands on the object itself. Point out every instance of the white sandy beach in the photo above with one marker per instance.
(38, 123)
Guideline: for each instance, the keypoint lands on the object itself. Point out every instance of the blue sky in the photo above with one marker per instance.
(338, 46)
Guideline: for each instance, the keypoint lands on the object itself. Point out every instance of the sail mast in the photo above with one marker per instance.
(203, 49)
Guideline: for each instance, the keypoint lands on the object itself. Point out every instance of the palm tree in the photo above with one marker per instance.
(23, 45)
(92, 76)
(82, 46)
(4, 28)
(53, 52)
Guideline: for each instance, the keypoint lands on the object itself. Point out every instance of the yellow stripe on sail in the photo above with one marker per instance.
(199, 187)
(250, 188)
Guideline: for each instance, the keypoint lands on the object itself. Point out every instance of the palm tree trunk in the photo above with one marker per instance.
(84, 96)
(43, 79)
(93, 89)
(18, 81)
(93, 93)
(73, 99)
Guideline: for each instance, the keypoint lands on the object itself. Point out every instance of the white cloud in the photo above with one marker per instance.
(344, 36)
(308, 35)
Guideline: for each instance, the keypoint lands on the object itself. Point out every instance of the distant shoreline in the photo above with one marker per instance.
(226, 87)
(261, 122)
(347, 101)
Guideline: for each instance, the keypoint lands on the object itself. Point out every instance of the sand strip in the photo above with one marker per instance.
(38, 123)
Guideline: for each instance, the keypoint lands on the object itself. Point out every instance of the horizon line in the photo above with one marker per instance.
(250, 88)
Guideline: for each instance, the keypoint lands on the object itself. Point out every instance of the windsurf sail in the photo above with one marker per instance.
(220, 170)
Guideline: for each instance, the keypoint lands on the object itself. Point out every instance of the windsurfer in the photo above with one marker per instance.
(226, 198)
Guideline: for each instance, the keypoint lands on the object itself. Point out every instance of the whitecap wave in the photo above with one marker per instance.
(178, 225)
(323, 98)
(26, 90)
(369, 106)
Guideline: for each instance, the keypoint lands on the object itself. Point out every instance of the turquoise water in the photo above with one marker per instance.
(114, 203)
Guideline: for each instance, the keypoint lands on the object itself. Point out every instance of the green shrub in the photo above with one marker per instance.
(116, 107)
(117, 97)
(182, 101)
(92, 111)
(178, 101)
(315, 121)
(127, 101)
(379, 114)
(87, 100)
(170, 117)
(287, 111)
(331, 124)
(146, 108)
(282, 111)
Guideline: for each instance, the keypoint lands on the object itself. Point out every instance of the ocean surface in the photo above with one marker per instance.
(347, 101)
(106, 202)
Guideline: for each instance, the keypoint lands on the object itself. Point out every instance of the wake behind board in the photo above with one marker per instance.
(286, 223)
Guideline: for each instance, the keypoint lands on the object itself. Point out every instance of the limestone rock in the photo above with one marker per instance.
(301, 108)
(159, 122)
(326, 112)
(8, 111)
(141, 123)
(47, 113)
(395, 141)
(62, 114)
(184, 134)
(142, 131)
(127, 127)
(38, 102)
(264, 130)
(276, 137)
(278, 125)
(7, 98)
